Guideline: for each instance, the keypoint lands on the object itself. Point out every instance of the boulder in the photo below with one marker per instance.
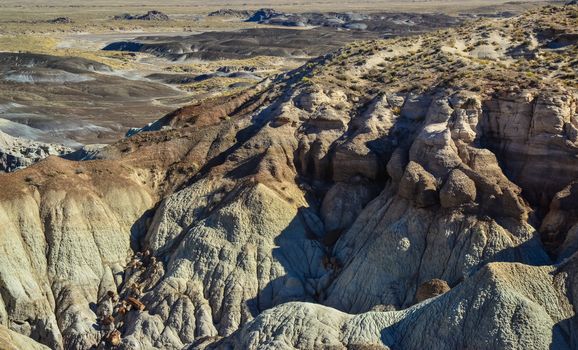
(418, 185)
(430, 289)
(457, 190)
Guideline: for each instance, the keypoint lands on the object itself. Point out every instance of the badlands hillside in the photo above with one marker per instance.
(411, 193)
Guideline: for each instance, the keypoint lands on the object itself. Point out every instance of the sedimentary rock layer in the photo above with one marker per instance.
(387, 195)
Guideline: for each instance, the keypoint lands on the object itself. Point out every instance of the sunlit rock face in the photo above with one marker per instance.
(331, 207)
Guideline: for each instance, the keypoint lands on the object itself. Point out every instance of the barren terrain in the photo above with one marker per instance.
(403, 192)
(187, 57)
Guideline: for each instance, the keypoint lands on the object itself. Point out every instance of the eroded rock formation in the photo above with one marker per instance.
(322, 209)
(17, 153)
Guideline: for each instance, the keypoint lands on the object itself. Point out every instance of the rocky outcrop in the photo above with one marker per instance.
(491, 322)
(451, 212)
(418, 185)
(66, 240)
(559, 230)
(152, 15)
(316, 211)
(231, 13)
(17, 153)
(11, 340)
(70, 230)
(459, 189)
(263, 14)
(534, 134)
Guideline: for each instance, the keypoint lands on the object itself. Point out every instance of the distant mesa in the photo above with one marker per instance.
(288, 21)
(152, 15)
(231, 13)
(377, 22)
(343, 20)
(335, 29)
(264, 14)
(273, 17)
